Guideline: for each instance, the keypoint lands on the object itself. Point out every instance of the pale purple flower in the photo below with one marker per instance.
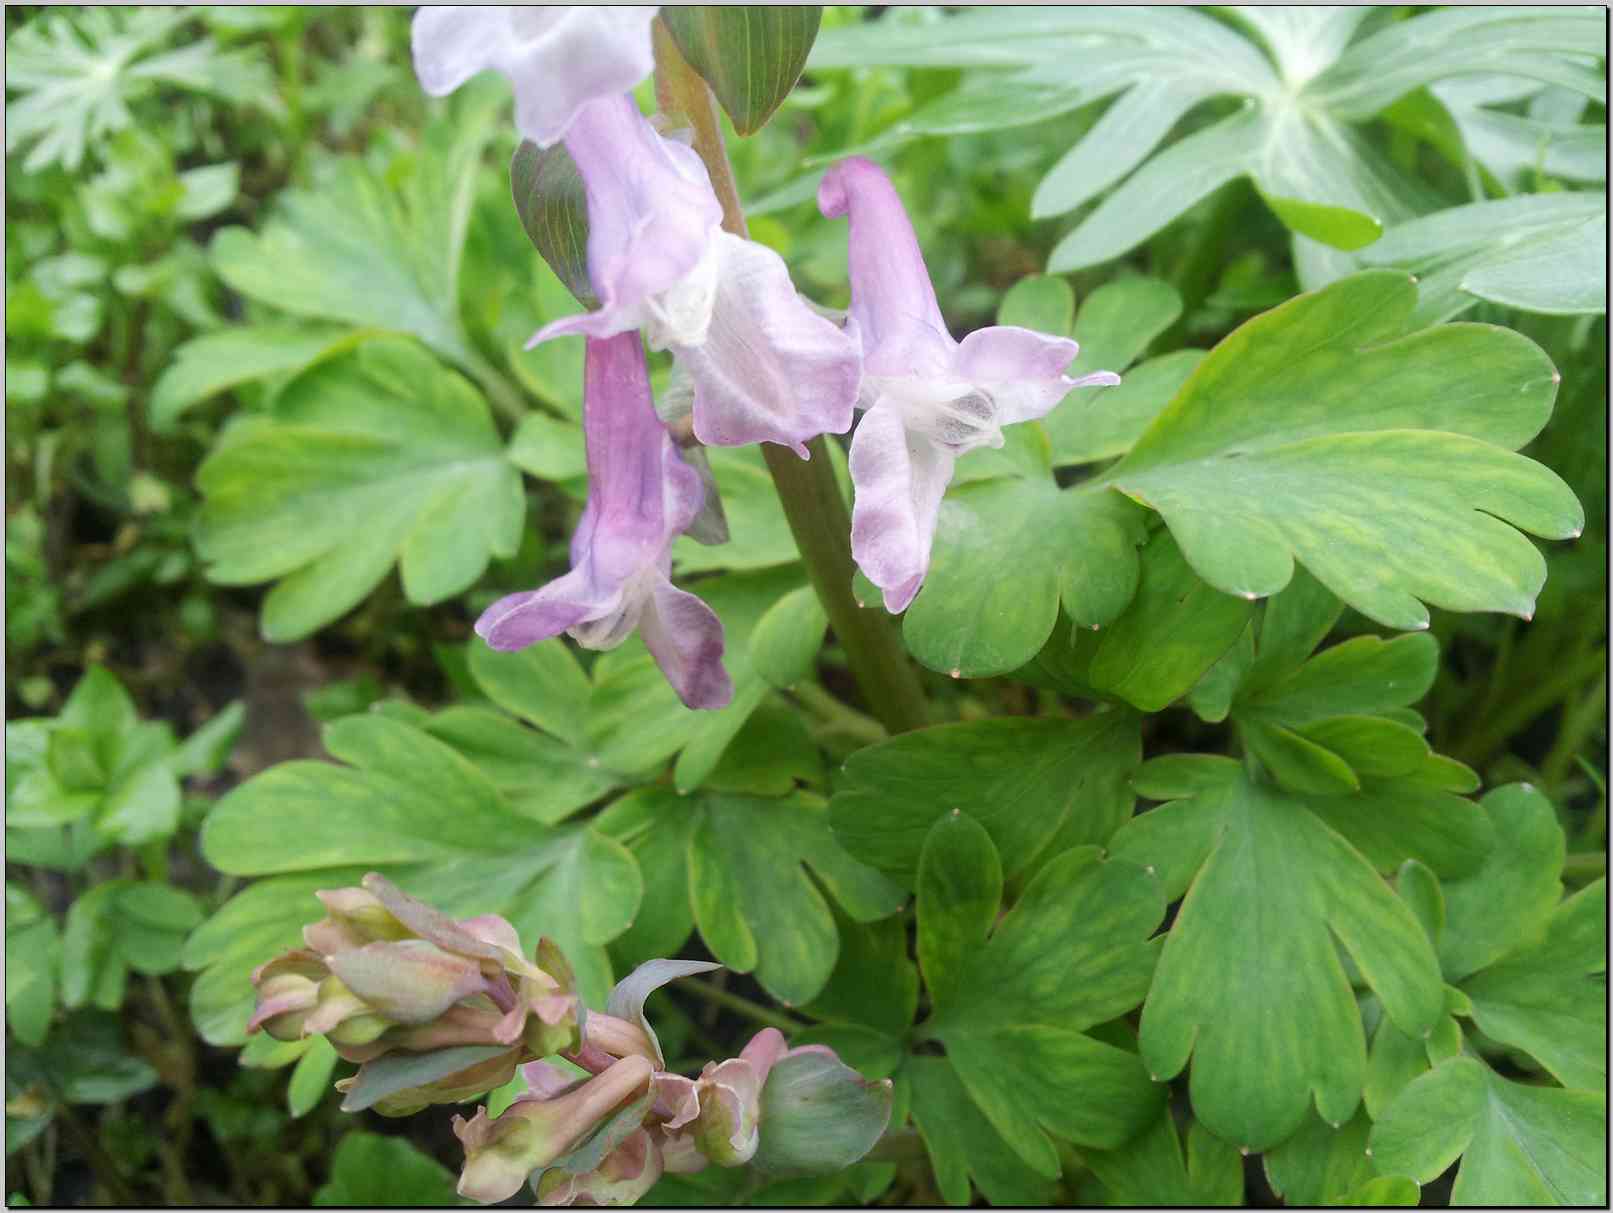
(929, 399)
(557, 57)
(641, 496)
(764, 366)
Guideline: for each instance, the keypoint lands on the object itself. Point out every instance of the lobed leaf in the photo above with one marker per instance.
(1319, 432)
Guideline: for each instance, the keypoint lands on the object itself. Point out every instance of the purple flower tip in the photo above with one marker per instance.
(641, 496)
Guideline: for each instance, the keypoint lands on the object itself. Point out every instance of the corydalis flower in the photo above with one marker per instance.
(501, 1152)
(385, 974)
(764, 366)
(720, 1112)
(641, 496)
(557, 57)
(930, 399)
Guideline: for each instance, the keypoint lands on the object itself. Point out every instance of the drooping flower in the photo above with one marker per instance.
(625, 1174)
(501, 1152)
(929, 398)
(765, 367)
(721, 1110)
(557, 57)
(641, 496)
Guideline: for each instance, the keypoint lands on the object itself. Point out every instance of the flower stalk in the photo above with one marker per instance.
(807, 489)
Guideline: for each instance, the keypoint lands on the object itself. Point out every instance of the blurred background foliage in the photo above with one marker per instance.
(145, 329)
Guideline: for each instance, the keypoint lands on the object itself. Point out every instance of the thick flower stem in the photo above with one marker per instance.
(807, 489)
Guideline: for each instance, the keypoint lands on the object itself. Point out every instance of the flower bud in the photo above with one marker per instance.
(532, 1133)
(409, 981)
(288, 988)
(626, 1174)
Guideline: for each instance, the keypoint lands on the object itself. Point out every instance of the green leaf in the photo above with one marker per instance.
(784, 645)
(206, 750)
(386, 435)
(1244, 978)
(1022, 778)
(215, 362)
(1385, 1191)
(1403, 55)
(1381, 461)
(1549, 998)
(1132, 126)
(1175, 629)
(118, 926)
(1040, 302)
(1337, 226)
(873, 983)
(960, 885)
(1513, 894)
(1100, 423)
(1321, 1164)
(84, 1061)
(310, 1080)
(1150, 1169)
(1011, 1010)
(1006, 552)
(703, 852)
(362, 250)
(541, 683)
(750, 54)
(1117, 323)
(540, 777)
(33, 959)
(416, 810)
(1519, 1145)
(551, 449)
(78, 74)
(549, 199)
(783, 930)
(380, 1171)
(1538, 253)
(655, 829)
(962, 1143)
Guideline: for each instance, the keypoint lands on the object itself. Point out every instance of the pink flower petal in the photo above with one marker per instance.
(557, 57)
(890, 286)
(770, 369)
(899, 480)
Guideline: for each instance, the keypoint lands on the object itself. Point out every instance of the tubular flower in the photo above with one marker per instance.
(500, 1153)
(929, 399)
(557, 57)
(764, 366)
(641, 496)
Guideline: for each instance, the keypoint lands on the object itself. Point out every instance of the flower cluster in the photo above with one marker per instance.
(384, 975)
(763, 364)
(442, 1011)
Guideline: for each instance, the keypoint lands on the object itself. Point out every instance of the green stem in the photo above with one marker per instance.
(846, 720)
(1580, 720)
(740, 1005)
(503, 394)
(807, 489)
